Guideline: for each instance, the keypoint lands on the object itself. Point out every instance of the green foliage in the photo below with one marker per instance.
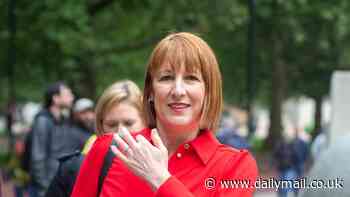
(91, 45)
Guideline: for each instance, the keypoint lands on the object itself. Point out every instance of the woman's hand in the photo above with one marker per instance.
(142, 158)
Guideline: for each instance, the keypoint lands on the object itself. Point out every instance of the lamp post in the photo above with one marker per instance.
(11, 68)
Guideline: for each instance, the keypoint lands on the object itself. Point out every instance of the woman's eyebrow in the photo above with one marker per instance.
(165, 71)
(110, 121)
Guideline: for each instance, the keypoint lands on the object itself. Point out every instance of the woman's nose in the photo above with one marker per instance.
(119, 127)
(179, 88)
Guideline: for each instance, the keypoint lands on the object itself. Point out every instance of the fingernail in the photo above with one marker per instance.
(114, 148)
(124, 129)
(154, 132)
(138, 138)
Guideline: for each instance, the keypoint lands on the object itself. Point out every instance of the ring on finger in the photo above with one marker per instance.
(121, 135)
(126, 148)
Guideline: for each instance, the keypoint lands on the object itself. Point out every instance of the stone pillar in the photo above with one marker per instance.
(340, 101)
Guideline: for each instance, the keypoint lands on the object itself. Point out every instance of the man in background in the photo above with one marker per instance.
(82, 124)
(47, 140)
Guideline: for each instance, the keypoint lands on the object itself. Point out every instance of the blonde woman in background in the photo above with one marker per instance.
(120, 105)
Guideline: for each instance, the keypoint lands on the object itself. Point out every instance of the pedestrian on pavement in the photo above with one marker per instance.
(47, 141)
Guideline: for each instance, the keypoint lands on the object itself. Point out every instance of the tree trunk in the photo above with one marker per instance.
(279, 81)
(88, 81)
(278, 92)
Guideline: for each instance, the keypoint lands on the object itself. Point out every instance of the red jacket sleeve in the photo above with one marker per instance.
(86, 184)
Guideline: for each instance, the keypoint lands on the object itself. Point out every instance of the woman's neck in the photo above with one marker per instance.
(173, 136)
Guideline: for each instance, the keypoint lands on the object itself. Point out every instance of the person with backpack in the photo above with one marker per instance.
(119, 106)
(46, 140)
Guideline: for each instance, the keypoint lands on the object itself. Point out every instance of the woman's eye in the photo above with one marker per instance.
(165, 78)
(111, 126)
(192, 78)
(129, 123)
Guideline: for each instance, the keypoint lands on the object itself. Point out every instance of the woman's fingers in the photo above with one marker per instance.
(121, 144)
(157, 141)
(142, 140)
(125, 135)
(125, 141)
(147, 161)
(119, 154)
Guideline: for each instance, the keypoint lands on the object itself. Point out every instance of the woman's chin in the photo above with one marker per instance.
(181, 123)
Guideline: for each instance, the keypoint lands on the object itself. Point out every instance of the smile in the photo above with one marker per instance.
(178, 106)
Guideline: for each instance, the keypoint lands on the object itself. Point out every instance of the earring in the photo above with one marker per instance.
(150, 99)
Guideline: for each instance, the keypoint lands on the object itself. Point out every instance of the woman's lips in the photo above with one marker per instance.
(178, 107)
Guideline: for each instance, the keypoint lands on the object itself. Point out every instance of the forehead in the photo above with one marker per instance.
(175, 54)
(64, 90)
(123, 110)
(167, 68)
